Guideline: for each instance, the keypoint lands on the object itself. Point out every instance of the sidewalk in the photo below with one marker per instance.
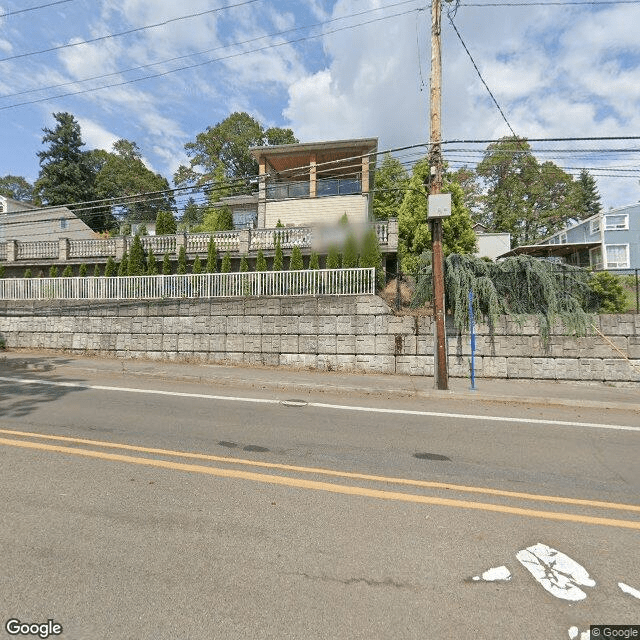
(543, 392)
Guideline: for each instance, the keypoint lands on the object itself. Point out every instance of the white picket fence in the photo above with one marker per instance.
(341, 282)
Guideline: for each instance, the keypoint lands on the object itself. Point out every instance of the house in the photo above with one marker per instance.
(491, 245)
(27, 223)
(608, 240)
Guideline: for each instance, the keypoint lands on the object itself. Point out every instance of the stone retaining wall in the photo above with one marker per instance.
(358, 333)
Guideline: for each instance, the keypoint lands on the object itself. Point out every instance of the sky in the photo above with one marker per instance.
(330, 70)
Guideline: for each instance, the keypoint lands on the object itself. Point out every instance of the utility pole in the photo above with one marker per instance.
(435, 187)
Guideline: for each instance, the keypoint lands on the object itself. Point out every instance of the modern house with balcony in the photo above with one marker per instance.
(609, 241)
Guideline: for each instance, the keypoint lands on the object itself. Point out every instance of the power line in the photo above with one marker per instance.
(40, 6)
(200, 64)
(548, 4)
(127, 32)
(198, 53)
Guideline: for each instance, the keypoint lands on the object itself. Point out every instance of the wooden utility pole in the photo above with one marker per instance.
(435, 187)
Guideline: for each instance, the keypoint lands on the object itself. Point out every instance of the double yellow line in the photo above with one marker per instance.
(315, 485)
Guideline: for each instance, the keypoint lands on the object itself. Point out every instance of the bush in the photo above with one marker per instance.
(278, 259)
(296, 263)
(67, 273)
(226, 263)
(136, 265)
(182, 261)
(123, 267)
(111, 269)
(27, 273)
(197, 266)
(212, 256)
(314, 261)
(1, 271)
(53, 271)
(166, 265)
(244, 265)
(261, 263)
(152, 263)
(609, 292)
(372, 256)
(350, 255)
(333, 259)
(83, 271)
(96, 271)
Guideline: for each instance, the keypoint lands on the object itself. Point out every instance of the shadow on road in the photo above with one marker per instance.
(18, 399)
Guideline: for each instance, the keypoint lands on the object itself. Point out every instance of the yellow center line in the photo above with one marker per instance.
(332, 473)
(323, 486)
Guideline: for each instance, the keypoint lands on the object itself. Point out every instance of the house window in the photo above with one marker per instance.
(617, 256)
(618, 221)
(64, 224)
(595, 226)
(563, 238)
(595, 258)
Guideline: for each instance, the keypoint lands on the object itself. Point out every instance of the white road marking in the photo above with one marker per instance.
(556, 572)
(630, 590)
(322, 405)
(494, 574)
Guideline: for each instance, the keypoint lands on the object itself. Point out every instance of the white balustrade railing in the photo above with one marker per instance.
(159, 244)
(206, 285)
(293, 237)
(225, 241)
(382, 231)
(92, 248)
(199, 242)
(36, 250)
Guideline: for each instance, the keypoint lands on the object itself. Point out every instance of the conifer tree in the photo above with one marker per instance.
(296, 262)
(244, 265)
(278, 259)
(166, 265)
(53, 271)
(96, 271)
(333, 259)
(314, 261)
(226, 263)
(67, 272)
(371, 255)
(136, 265)
(123, 268)
(212, 256)
(197, 266)
(261, 263)
(152, 263)
(27, 273)
(182, 261)
(83, 271)
(110, 269)
(350, 255)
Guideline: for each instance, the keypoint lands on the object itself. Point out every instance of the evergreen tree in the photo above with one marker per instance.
(27, 273)
(350, 254)
(278, 259)
(182, 261)
(197, 266)
(212, 256)
(166, 265)
(192, 215)
(390, 182)
(296, 263)
(123, 267)
(53, 271)
(16, 188)
(226, 263)
(333, 258)
(110, 269)
(244, 265)
(166, 224)
(2, 270)
(96, 271)
(83, 271)
(261, 263)
(142, 230)
(279, 224)
(371, 255)
(66, 173)
(137, 263)
(224, 219)
(152, 263)
(67, 272)
(314, 261)
(587, 197)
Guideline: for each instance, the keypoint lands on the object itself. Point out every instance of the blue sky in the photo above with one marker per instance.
(557, 71)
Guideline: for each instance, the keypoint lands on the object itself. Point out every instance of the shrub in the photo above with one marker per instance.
(261, 263)
(350, 255)
(278, 259)
(1, 271)
(296, 263)
(27, 273)
(197, 266)
(136, 265)
(609, 292)
(166, 265)
(123, 267)
(314, 261)
(67, 272)
(152, 263)
(212, 256)
(83, 271)
(244, 265)
(226, 263)
(372, 256)
(182, 261)
(96, 271)
(110, 269)
(53, 271)
(333, 259)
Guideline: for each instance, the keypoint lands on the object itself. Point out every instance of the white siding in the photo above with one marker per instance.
(311, 211)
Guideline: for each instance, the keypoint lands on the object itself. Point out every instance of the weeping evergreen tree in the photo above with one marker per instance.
(212, 256)
(261, 262)
(516, 287)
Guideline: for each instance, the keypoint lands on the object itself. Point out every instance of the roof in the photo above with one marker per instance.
(550, 250)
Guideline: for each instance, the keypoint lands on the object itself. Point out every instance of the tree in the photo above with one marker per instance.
(261, 263)
(350, 254)
(192, 215)
(53, 271)
(27, 273)
(468, 181)
(587, 197)
(137, 263)
(96, 271)
(197, 266)
(166, 265)
(609, 292)
(333, 259)
(314, 261)
(16, 187)
(226, 263)
(123, 267)
(296, 262)
(371, 255)
(528, 200)
(244, 265)
(413, 226)
(390, 181)
(182, 261)
(66, 173)
(110, 269)
(82, 272)
(140, 192)
(220, 156)
(152, 263)
(67, 272)
(278, 258)
(165, 223)
(212, 256)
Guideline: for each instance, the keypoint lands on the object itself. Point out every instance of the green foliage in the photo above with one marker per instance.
(371, 255)
(278, 259)
(136, 265)
(182, 261)
(142, 230)
(314, 261)
(166, 224)
(152, 263)
(66, 172)
(67, 272)
(166, 265)
(350, 255)
(27, 273)
(587, 197)
(390, 181)
(192, 215)
(123, 267)
(279, 224)
(212, 256)
(2, 270)
(53, 271)
(244, 265)
(110, 269)
(261, 263)
(296, 263)
(344, 220)
(197, 266)
(226, 263)
(333, 258)
(125, 229)
(470, 185)
(515, 286)
(609, 292)
(96, 271)
(16, 188)
(225, 219)
(82, 272)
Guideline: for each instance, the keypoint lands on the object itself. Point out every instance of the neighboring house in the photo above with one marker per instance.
(609, 240)
(491, 245)
(308, 184)
(26, 223)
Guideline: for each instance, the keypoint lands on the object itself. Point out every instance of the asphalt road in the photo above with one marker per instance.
(135, 508)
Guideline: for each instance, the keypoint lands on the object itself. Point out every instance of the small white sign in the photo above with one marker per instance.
(440, 205)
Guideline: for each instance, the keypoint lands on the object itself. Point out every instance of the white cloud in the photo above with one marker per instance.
(95, 136)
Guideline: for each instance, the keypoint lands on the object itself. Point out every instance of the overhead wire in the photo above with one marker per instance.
(6, 14)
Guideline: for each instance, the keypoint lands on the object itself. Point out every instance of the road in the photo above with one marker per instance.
(139, 508)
